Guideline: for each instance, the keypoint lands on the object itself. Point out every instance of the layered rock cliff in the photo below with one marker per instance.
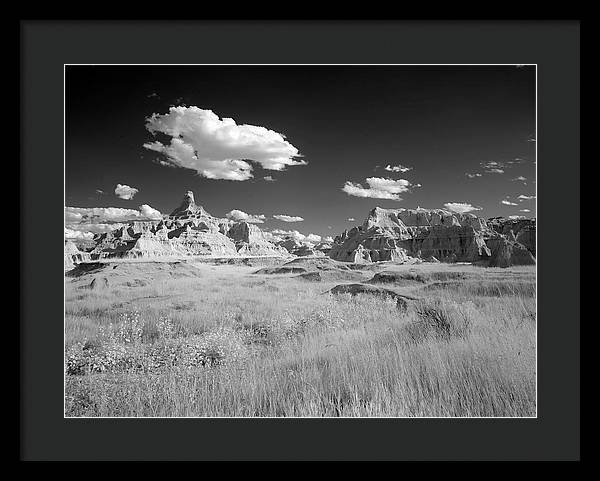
(73, 255)
(399, 234)
(188, 231)
(520, 230)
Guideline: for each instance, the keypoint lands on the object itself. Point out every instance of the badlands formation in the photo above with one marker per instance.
(398, 235)
(188, 231)
(436, 235)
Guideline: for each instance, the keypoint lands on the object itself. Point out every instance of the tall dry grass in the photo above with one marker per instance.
(465, 349)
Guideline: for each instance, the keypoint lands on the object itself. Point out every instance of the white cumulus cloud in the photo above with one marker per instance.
(72, 216)
(379, 188)
(217, 148)
(524, 210)
(125, 192)
(150, 213)
(238, 215)
(313, 238)
(99, 215)
(78, 235)
(507, 202)
(460, 207)
(472, 176)
(350, 219)
(306, 239)
(288, 218)
(269, 178)
(92, 229)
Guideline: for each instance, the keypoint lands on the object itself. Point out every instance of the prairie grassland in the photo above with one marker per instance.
(231, 343)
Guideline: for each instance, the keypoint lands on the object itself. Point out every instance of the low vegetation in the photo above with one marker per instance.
(230, 342)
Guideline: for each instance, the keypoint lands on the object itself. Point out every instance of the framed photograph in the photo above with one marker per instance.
(263, 246)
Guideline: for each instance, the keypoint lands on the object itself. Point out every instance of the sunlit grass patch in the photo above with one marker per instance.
(236, 347)
(493, 288)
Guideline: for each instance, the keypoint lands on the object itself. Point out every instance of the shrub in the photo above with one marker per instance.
(440, 320)
(121, 348)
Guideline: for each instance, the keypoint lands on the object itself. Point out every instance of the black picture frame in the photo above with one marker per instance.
(47, 45)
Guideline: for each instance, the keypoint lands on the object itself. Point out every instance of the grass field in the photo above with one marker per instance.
(191, 339)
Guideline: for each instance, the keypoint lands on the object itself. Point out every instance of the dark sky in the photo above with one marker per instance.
(443, 121)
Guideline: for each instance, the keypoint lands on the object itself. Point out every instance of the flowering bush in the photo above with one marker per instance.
(213, 348)
(120, 348)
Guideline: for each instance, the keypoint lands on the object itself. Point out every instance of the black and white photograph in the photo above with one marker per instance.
(300, 240)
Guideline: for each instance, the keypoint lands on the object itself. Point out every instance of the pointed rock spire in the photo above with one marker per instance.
(188, 207)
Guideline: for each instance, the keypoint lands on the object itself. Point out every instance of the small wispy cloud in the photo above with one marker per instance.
(507, 202)
(525, 197)
(269, 178)
(472, 176)
(493, 167)
(460, 207)
(288, 218)
(397, 168)
(516, 160)
(350, 219)
(524, 210)
(520, 178)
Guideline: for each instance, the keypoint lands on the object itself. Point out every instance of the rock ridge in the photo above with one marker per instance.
(402, 234)
(188, 231)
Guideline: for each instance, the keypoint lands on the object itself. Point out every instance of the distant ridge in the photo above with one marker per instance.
(400, 235)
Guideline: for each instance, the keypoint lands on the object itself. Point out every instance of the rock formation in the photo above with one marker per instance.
(188, 208)
(323, 247)
(73, 255)
(356, 289)
(250, 240)
(520, 230)
(188, 231)
(401, 234)
(304, 248)
(396, 235)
